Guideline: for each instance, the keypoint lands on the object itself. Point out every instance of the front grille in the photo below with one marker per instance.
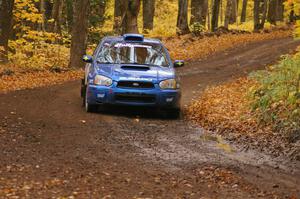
(139, 98)
(135, 84)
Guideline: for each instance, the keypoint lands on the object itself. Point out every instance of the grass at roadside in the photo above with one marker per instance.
(263, 110)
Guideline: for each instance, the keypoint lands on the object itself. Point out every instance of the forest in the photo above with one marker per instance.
(29, 27)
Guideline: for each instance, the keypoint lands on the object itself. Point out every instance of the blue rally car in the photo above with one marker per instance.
(134, 71)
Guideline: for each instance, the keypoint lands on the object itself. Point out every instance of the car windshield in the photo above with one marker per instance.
(133, 53)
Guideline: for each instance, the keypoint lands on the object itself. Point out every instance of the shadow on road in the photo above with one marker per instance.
(136, 112)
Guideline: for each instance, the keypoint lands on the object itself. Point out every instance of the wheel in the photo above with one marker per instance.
(83, 92)
(83, 88)
(173, 113)
(90, 108)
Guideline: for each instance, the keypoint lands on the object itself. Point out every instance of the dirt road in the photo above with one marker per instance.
(51, 148)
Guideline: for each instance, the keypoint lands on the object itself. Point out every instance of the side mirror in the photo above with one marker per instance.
(87, 59)
(178, 63)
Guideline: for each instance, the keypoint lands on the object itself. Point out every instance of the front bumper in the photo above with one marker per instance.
(154, 97)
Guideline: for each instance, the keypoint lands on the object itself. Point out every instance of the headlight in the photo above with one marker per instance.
(102, 80)
(169, 84)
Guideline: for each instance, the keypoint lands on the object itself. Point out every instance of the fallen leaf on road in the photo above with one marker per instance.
(83, 121)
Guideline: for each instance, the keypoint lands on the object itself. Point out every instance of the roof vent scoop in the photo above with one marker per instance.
(133, 37)
(137, 68)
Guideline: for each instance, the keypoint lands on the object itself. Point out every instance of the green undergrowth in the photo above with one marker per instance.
(276, 96)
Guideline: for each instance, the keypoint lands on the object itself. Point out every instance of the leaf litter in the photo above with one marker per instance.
(226, 110)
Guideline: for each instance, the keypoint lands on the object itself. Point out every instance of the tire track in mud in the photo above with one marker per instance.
(179, 144)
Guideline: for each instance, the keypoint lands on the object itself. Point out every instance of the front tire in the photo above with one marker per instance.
(89, 108)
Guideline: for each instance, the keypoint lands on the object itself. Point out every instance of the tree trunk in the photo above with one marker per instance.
(195, 11)
(204, 12)
(119, 14)
(215, 15)
(148, 14)
(228, 13)
(102, 7)
(244, 11)
(182, 18)
(42, 11)
(292, 17)
(260, 13)
(6, 14)
(79, 33)
(69, 15)
(233, 14)
(57, 16)
(272, 11)
(102, 10)
(264, 10)
(129, 23)
(280, 10)
(48, 9)
(54, 14)
(199, 11)
(221, 12)
(208, 20)
(256, 15)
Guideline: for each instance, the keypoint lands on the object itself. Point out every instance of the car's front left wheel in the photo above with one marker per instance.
(90, 108)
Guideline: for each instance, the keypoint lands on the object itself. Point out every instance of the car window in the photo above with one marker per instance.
(133, 53)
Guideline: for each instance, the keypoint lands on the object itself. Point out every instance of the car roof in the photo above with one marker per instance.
(121, 39)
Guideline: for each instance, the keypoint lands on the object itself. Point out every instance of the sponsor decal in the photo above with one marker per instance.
(120, 45)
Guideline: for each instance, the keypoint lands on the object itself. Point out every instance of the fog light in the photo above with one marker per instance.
(170, 99)
(101, 95)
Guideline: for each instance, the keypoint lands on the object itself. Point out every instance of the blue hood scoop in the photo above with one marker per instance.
(136, 68)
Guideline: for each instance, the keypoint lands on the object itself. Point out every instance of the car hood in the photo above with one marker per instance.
(134, 72)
